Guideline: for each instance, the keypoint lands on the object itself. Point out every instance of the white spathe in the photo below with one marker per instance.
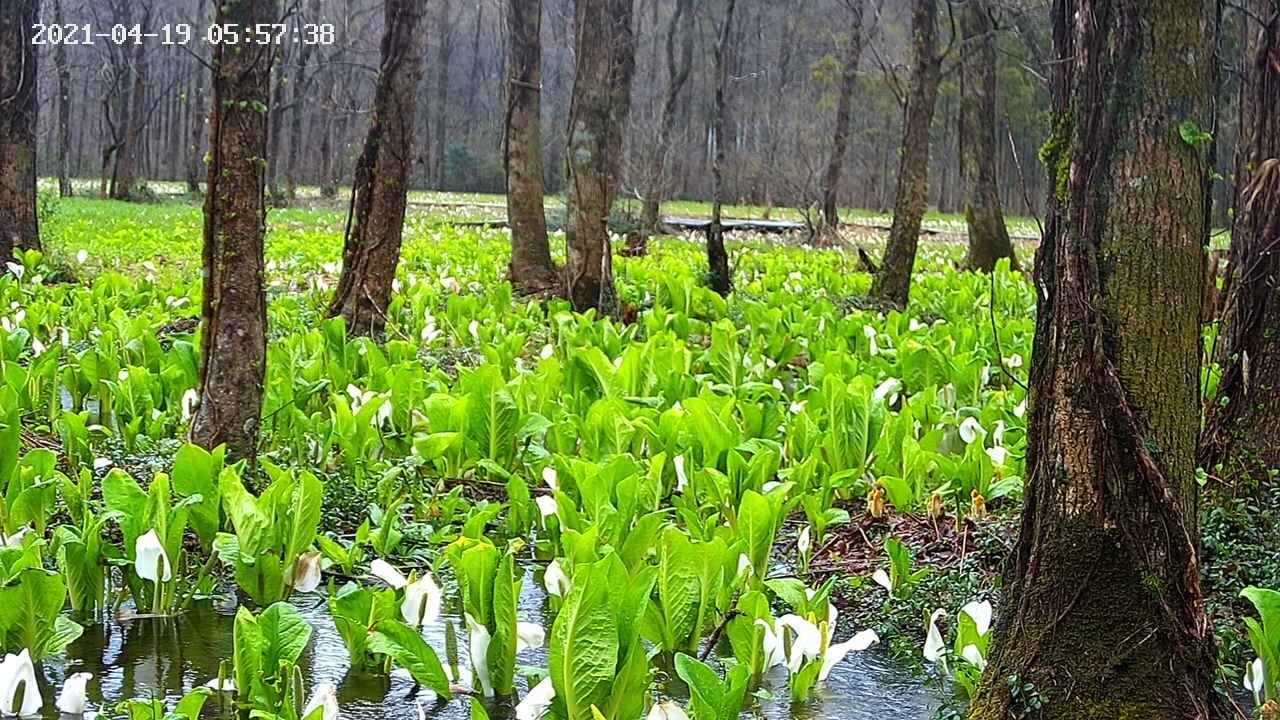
(881, 578)
(934, 647)
(667, 710)
(555, 580)
(74, 696)
(973, 656)
(813, 642)
(836, 653)
(971, 429)
(19, 694)
(382, 570)
(546, 505)
(325, 696)
(149, 555)
(1255, 681)
(980, 612)
(305, 574)
(479, 646)
(537, 702)
(226, 685)
(805, 542)
(421, 604)
(529, 636)
(682, 480)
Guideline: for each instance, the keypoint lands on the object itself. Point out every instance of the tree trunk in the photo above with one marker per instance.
(601, 101)
(892, 284)
(233, 339)
(1103, 610)
(297, 100)
(1241, 442)
(844, 108)
(277, 126)
(195, 152)
(717, 257)
(380, 191)
(678, 70)
(988, 235)
(19, 227)
(64, 109)
(129, 153)
(532, 270)
(443, 54)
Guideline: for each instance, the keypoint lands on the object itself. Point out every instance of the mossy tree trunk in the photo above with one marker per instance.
(532, 270)
(233, 338)
(19, 227)
(988, 235)
(380, 192)
(892, 285)
(717, 256)
(844, 113)
(1241, 442)
(679, 67)
(1103, 610)
(601, 101)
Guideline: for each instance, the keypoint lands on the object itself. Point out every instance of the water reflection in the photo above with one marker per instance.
(166, 658)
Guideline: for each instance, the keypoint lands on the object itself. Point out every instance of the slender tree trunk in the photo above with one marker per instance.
(381, 187)
(531, 270)
(195, 151)
(678, 70)
(19, 227)
(64, 109)
(892, 284)
(328, 123)
(988, 235)
(1241, 442)
(233, 339)
(444, 51)
(277, 126)
(717, 257)
(130, 152)
(604, 66)
(844, 112)
(297, 100)
(1103, 610)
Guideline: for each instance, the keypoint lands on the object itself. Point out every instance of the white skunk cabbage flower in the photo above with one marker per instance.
(382, 570)
(479, 645)
(17, 673)
(529, 636)
(325, 696)
(74, 696)
(304, 576)
(556, 581)
(667, 711)
(421, 604)
(537, 702)
(934, 647)
(149, 557)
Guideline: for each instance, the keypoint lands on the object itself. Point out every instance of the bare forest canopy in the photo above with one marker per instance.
(784, 60)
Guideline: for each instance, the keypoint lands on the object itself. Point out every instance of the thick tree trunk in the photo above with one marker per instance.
(604, 66)
(1241, 442)
(195, 151)
(380, 192)
(1103, 610)
(892, 285)
(844, 112)
(678, 70)
(988, 235)
(130, 152)
(64, 109)
(532, 270)
(233, 339)
(19, 227)
(717, 257)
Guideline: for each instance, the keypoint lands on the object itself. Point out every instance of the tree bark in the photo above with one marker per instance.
(1241, 442)
(601, 101)
(233, 337)
(844, 112)
(717, 257)
(444, 51)
(297, 100)
(276, 129)
(380, 191)
(532, 270)
(1103, 610)
(64, 109)
(678, 70)
(988, 234)
(19, 226)
(892, 285)
(130, 151)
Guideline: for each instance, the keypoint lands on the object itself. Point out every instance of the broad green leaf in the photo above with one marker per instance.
(407, 648)
(584, 645)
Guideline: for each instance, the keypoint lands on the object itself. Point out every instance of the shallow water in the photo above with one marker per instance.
(146, 658)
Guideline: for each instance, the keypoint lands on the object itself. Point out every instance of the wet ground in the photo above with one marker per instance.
(165, 658)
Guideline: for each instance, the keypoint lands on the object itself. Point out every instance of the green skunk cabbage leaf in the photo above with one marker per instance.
(406, 647)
